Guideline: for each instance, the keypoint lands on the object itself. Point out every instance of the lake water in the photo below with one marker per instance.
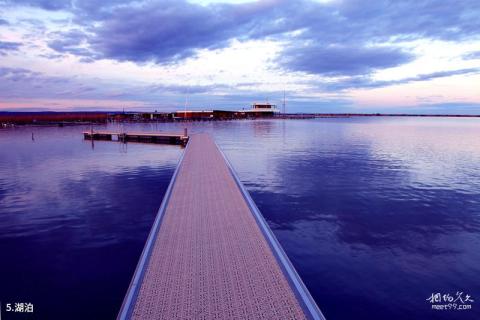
(376, 214)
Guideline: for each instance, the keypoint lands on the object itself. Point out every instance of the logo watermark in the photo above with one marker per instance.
(446, 301)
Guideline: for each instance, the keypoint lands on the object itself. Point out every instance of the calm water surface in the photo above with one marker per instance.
(375, 214)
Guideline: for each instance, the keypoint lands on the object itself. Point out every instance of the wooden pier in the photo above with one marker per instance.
(210, 254)
(151, 137)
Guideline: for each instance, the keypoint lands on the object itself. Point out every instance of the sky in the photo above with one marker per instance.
(389, 56)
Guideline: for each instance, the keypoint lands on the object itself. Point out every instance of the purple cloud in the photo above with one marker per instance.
(472, 55)
(169, 31)
(345, 38)
(38, 85)
(51, 5)
(365, 81)
(342, 60)
(6, 46)
(73, 42)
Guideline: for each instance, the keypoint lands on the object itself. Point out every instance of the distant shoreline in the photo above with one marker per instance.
(71, 118)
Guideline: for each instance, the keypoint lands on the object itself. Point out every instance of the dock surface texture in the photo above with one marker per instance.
(209, 257)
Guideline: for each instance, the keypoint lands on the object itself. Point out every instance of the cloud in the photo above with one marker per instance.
(444, 20)
(51, 5)
(169, 31)
(338, 60)
(441, 74)
(337, 38)
(73, 42)
(355, 37)
(22, 83)
(7, 46)
(4, 22)
(186, 89)
(472, 55)
(366, 82)
(14, 74)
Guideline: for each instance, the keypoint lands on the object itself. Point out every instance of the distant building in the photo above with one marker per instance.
(157, 116)
(194, 115)
(206, 115)
(260, 110)
(224, 114)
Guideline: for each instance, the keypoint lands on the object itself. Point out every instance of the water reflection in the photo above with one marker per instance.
(75, 218)
(375, 214)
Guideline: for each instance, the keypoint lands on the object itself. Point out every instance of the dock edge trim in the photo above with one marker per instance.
(128, 304)
(301, 291)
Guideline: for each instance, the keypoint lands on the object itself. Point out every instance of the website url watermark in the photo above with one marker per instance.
(446, 301)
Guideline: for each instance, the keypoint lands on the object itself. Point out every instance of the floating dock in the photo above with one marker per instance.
(152, 137)
(210, 254)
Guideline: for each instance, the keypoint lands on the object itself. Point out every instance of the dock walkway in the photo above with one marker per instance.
(210, 254)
